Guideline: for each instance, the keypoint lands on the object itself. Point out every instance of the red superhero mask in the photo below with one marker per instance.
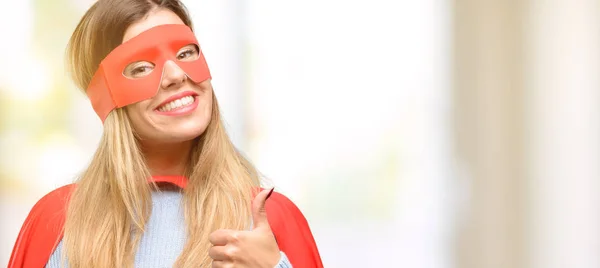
(110, 88)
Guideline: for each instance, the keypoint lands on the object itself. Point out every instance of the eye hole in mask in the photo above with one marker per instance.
(140, 69)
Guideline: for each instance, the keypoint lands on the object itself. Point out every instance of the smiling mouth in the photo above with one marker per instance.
(176, 104)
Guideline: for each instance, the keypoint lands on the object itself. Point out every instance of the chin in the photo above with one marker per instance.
(187, 132)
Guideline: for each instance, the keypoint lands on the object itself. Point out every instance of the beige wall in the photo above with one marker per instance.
(527, 106)
(488, 95)
(564, 139)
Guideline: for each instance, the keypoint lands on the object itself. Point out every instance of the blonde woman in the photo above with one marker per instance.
(166, 187)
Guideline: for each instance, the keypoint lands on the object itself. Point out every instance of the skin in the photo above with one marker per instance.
(166, 140)
(166, 143)
(254, 248)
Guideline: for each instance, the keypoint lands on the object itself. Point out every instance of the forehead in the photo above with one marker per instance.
(160, 41)
(154, 18)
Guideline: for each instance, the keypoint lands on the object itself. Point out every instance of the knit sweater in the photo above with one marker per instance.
(164, 238)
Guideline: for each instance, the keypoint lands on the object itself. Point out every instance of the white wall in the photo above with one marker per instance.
(564, 137)
(348, 107)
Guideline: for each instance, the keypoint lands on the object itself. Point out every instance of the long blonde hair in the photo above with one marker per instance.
(111, 203)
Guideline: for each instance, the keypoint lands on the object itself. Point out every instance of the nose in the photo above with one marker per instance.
(173, 76)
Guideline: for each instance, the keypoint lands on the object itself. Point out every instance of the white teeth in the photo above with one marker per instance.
(177, 104)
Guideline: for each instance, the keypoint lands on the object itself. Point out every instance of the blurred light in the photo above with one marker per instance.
(15, 151)
(23, 75)
(29, 79)
(16, 41)
(52, 158)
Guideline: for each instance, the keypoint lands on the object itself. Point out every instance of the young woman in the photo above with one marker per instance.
(166, 187)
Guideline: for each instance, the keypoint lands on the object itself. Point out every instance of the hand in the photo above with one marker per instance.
(248, 249)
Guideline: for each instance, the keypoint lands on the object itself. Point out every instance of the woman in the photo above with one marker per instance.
(166, 187)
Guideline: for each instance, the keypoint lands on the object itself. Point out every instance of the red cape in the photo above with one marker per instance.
(42, 230)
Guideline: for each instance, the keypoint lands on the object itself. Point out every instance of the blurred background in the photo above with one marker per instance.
(429, 133)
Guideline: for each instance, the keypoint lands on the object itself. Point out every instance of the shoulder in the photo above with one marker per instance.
(51, 208)
(51, 204)
(292, 231)
(281, 211)
(283, 214)
(279, 203)
(58, 195)
(42, 229)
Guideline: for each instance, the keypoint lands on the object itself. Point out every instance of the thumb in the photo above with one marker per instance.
(259, 213)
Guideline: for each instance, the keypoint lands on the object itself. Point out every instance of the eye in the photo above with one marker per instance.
(188, 53)
(138, 69)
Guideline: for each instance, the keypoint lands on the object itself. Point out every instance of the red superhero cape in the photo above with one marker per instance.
(42, 230)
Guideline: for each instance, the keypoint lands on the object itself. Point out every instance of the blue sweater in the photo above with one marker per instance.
(164, 238)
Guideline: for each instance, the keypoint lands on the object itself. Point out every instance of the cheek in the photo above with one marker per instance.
(202, 117)
(209, 108)
(203, 114)
(209, 103)
(136, 113)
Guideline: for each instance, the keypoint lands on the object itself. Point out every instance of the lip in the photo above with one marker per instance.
(176, 96)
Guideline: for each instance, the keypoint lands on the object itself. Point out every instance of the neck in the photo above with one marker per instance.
(167, 159)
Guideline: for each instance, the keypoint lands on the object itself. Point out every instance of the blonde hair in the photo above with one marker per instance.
(111, 203)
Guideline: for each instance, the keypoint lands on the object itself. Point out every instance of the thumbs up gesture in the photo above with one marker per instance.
(248, 249)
